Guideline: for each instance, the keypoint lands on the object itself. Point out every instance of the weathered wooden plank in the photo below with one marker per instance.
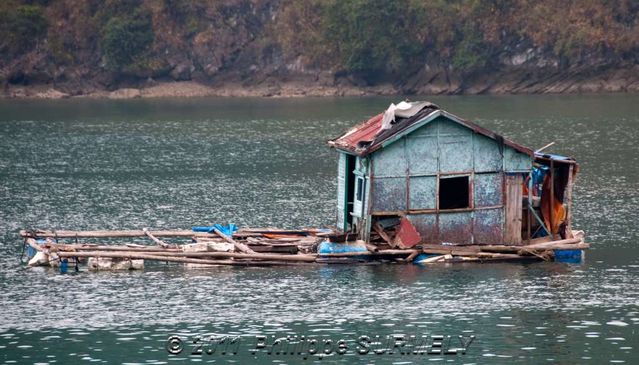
(368, 253)
(240, 246)
(159, 233)
(115, 233)
(568, 200)
(512, 221)
(154, 239)
(161, 256)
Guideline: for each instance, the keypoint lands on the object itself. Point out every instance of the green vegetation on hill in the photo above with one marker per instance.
(20, 28)
(368, 40)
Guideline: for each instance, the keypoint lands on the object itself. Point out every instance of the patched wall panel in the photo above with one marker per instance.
(427, 130)
(449, 127)
(422, 192)
(389, 194)
(455, 227)
(486, 154)
(421, 153)
(488, 190)
(516, 161)
(455, 154)
(487, 226)
(391, 160)
(426, 225)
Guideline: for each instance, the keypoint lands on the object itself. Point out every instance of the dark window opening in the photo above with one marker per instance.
(453, 193)
(360, 189)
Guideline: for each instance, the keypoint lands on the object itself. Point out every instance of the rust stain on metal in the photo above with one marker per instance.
(407, 236)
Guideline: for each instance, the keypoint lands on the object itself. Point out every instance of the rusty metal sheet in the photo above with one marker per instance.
(390, 161)
(426, 225)
(487, 226)
(362, 132)
(407, 236)
(488, 190)
(422, 192)
(486, 154)
(455, 227)
(421, 153)
(455, 154)
(389, 194)
(366, 137)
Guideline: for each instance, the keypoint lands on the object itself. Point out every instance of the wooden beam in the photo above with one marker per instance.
(108, 233)
(568, 199)
(154, 239)
(369, 253)
(552, 198)
(568, 241)
(240, 246)
(380, 231)
(180, 256)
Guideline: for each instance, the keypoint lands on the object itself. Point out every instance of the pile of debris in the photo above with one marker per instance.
(395, 242)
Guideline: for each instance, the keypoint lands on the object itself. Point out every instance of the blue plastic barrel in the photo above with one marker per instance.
(64, 266)
(569, 256)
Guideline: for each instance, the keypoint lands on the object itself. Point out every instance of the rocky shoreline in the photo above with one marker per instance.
(439, 83)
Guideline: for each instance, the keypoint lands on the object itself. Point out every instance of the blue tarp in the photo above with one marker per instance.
(227, 230)
(553, 156)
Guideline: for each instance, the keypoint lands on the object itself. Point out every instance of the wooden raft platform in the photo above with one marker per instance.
(264, 247)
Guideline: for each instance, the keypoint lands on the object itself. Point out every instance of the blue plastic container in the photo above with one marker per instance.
(31, 251)
(333, 247)
(64, 266)
(569, 256)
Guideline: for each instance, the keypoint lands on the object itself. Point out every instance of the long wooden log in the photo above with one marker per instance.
(256, 256)
(80, 247)
(163, 258)
(453, 250)
(211, 254)
(240, 246)
(154, 239)
(551, 244)
(115, 234)
(369, 253)
(500, 249)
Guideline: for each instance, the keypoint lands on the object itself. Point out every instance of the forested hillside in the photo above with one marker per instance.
(404, 46)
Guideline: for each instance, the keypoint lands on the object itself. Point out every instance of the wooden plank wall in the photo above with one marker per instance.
(512, 223)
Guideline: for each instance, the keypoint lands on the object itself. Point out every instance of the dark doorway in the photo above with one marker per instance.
(351, 181)
(454, 192)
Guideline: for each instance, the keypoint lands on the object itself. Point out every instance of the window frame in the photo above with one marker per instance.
(470, 203)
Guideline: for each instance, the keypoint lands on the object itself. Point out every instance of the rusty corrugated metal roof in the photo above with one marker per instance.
(368, 137)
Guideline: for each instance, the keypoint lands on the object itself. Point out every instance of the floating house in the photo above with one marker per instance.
(415, 184)
(452, 180)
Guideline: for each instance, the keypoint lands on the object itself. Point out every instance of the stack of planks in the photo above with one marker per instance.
(542, 249)
(265, 247)
(247, 247)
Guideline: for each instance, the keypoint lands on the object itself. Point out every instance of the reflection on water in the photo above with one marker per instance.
(174, 163)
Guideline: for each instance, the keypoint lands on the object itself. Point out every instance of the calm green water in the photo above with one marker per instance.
(83, 164)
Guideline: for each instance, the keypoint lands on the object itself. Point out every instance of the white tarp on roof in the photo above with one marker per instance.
(403, 110)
